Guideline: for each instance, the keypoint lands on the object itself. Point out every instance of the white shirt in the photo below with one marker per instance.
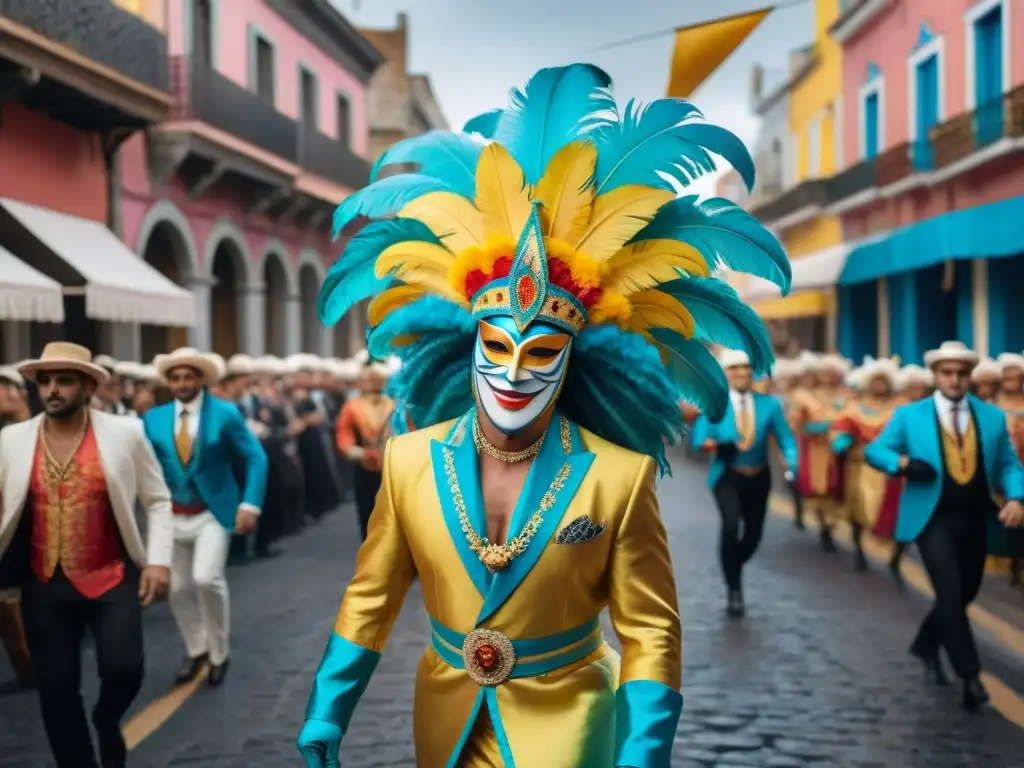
(194, 408)
(944, 407)
(741, 400)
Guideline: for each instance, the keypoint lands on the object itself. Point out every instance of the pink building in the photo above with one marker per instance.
(232, 196)
(933, 137)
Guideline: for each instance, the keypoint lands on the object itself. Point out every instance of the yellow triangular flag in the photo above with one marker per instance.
(700, 49)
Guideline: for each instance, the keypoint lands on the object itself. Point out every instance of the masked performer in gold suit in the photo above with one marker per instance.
(550, 299)
(870, 496)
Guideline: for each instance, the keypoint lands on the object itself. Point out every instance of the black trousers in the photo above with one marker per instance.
(366, 484)
(56, 617)
(953, 548)
(743, 503)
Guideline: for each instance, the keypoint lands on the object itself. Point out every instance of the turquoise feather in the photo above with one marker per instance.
(723, 143)
(659, 137)
(385, 198)
(695, 371)
(485, 124)
(725, 234)
(722, 317)
(447, 157)
(351, 278)
(558, 105)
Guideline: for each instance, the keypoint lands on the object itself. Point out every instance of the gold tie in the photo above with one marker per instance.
(183, 440)
(746, 423)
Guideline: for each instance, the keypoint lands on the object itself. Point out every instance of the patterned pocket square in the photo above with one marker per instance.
(580, 530)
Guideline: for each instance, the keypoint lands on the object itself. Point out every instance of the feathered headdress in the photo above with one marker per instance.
(560, 210)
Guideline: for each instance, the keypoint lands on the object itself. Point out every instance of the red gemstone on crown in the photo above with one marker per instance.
(499, 296)
(487, 656)
(526, 291)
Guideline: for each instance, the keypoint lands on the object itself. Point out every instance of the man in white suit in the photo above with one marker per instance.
(70, 479)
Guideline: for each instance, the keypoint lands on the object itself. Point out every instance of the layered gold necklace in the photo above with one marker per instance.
(483, 445)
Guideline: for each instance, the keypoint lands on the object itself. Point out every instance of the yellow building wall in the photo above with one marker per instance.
(820, 232)
(153, 11)
(135, 6)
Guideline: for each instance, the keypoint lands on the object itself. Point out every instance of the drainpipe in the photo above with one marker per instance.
(111, 143)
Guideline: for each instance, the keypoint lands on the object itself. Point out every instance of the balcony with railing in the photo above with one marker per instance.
(854, 180)
(202, 93)
(894, 165)
(965, 134)
(809, 194)
(332, 159)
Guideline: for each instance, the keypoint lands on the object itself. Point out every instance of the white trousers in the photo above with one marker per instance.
(199, 591)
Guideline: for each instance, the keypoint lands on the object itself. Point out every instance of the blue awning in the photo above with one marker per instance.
(990, 231)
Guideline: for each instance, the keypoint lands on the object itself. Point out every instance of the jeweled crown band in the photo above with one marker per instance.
(561, 308)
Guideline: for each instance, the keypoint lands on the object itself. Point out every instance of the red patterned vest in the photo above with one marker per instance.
(73, 523)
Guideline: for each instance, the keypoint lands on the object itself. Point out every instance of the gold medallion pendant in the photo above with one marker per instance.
(495, 557)
(489, 657)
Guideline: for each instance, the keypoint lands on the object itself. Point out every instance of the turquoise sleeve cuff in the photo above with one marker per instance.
(816, 427)
(841, 444)
(646, 716)
(344, 673)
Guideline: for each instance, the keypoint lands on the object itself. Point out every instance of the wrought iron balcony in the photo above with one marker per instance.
(202, 93)
(333, 160)
(854, 180)
(100, 31)
(806, 195)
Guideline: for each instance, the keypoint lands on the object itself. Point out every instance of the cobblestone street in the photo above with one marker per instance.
(816, 675)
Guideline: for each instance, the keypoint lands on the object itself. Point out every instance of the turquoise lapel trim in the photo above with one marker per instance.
(552, 482)
(206, 416)
(925, 433)
(457, 478)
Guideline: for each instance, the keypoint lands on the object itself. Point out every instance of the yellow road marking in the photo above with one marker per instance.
(159, 711)
(1004, 699)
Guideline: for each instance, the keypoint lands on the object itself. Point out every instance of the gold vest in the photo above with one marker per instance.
(961, 461)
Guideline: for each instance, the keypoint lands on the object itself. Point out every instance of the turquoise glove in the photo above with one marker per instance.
(319, 743)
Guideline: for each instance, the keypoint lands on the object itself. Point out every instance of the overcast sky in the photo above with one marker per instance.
(475, 50)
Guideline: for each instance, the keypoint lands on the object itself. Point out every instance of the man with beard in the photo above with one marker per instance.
(109, 393)
(70, 480)
(545, 342)
(954, 450)
(198, 439)
(360, 436)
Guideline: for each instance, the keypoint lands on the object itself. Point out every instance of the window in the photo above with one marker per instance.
(309, 94)
(927, 97)
(261, 66)
(344, 120)
(202, 31)
(871, 118)
(814, 148)
(987, 58)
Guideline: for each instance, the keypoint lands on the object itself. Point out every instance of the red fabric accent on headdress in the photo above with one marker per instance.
(559, 275)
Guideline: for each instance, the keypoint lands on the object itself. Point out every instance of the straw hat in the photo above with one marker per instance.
(9, 373)
(1010, 360)
(733, 358)
(240, 365)
(951, 351)
(188, 357)
(63, 356)
(810, 362)
(836, 363)
(106, 362)
(219, 362)
(915, 374)
(987, 369)
(872, 368)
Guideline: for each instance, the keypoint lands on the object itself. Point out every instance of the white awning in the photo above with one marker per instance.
(26, 293)
(118, 285)
(816, 271)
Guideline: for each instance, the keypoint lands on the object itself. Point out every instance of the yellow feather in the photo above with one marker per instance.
(390, 300)
(654, 309)
(413, 254)
(452, 218)
(650, 263)
(432, 281)
(567, 191)
(502, 196)
(618, 216)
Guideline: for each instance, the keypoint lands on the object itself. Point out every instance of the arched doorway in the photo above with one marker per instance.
(228, 274)
(275, 314)
(312, 328)
(166, 252)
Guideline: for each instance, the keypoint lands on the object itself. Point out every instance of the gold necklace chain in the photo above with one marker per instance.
(61, 467)
(483, 445)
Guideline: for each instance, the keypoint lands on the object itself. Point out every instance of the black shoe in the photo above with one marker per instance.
(735, 607)
(190, 669)
(217, 673)
(934, 671)
(860, 561)
(827, 544)
(113, 750)
(897, 575)
(974, 693)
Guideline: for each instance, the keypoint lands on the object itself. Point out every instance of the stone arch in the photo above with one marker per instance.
(167, 244)
(310, 276)
(274, 248)
(280, 322)
(227, 264)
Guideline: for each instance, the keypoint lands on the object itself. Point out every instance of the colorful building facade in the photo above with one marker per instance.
(933, 183)
(72, 94)
(797, 214)
(231, 196)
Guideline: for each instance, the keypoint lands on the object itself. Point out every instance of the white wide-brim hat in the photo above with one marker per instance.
(240, 365)
(63, 356)
(9, 373)
(1010, 360)
(188, 357)
(987, 369)
(951, 351)
(872, 369)
(915, 374)
(836, 363)
(733, 358)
